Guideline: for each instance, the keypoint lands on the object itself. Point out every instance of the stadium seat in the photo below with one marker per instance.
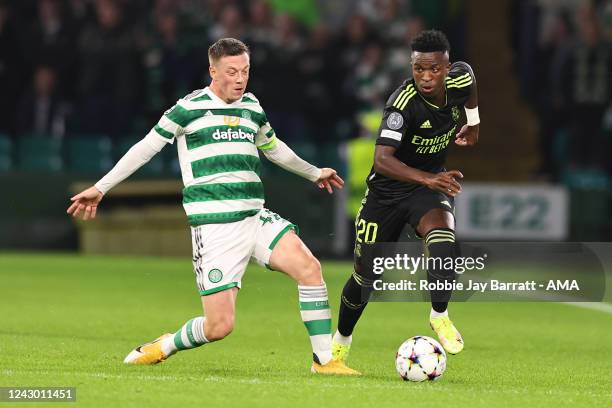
(153, 169)
(6, 153)
(89, 154)
(306, 151)
(589, 209)
(560, 149)
(171, 161)
(39, 153)
(330, 157)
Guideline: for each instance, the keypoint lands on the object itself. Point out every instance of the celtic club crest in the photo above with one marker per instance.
(215, 275)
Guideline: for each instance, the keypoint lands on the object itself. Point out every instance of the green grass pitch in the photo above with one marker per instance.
(70, 320)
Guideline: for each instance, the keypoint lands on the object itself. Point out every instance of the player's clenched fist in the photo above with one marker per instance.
(445, 182)
(467, 136)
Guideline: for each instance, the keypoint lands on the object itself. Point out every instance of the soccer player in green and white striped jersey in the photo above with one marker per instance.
(219, 131)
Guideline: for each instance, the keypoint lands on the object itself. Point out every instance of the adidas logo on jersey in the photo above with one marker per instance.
(208, 113)
(426, 125)
(233, 135)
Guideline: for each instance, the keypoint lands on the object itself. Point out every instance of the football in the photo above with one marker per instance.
(420, 358)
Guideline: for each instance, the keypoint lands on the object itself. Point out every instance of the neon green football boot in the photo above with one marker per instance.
(340, 352)
(449, 336)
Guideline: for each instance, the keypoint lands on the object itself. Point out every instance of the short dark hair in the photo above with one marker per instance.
(226, 47)
(430, 41)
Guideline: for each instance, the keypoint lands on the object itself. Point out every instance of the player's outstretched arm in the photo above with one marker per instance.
(282, 155)
(388, 165)
(138, 155)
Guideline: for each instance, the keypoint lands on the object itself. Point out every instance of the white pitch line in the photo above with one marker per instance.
(599, 306)
(354, 382)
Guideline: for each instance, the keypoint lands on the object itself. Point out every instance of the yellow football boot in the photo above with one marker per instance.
(148, 353)
(336, 367)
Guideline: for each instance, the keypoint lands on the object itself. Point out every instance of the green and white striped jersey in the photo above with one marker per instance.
(217, 147)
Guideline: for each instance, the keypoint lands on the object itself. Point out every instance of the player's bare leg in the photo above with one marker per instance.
(220, 311)
(293, 258)
(437, 227)
(216, 324)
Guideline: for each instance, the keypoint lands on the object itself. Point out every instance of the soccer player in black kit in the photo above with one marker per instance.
(408, 182)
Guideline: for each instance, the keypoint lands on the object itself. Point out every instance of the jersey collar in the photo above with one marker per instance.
(215, 98)
(429, 103)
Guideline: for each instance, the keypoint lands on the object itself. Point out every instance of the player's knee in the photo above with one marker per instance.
(311, 272)
(220, 328)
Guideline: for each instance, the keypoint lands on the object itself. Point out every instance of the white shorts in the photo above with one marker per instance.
(221, 252)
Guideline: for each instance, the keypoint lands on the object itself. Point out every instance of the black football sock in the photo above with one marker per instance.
(352, 303)
(440, 243)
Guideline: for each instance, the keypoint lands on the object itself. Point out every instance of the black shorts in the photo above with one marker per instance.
(381, 220)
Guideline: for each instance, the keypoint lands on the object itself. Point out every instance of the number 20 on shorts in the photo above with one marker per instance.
(366, 231)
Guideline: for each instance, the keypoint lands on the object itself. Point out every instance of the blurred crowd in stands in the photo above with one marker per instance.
(114, 66)
(564, 61)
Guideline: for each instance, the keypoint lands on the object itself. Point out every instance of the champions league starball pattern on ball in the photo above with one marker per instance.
(420, 358)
